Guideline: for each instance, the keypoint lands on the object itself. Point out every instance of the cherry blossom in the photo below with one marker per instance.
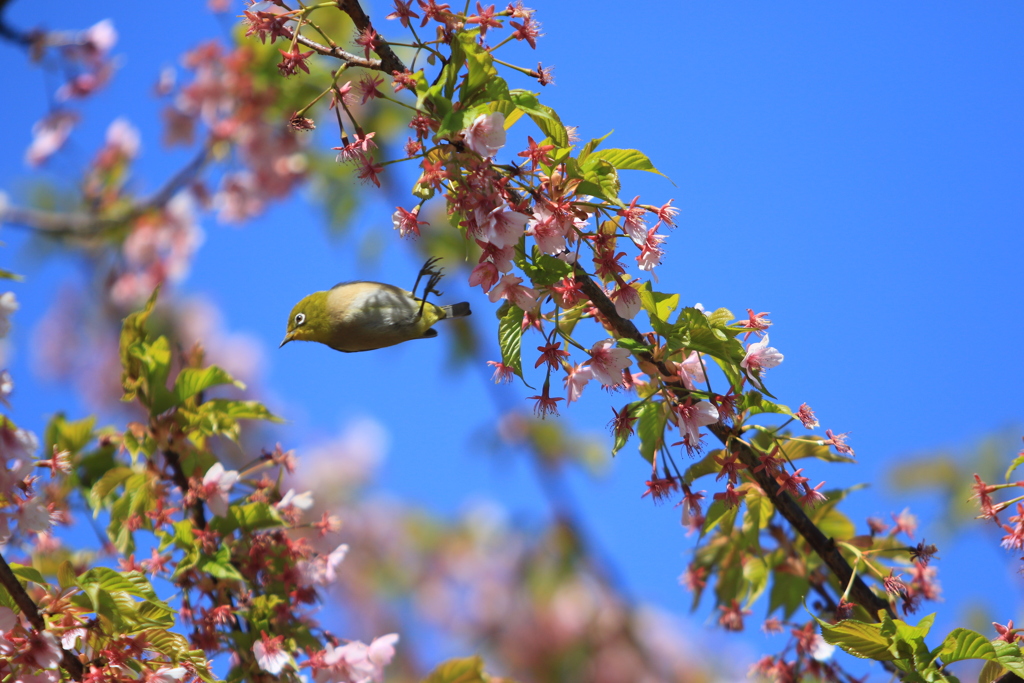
(509, 288)
(217, 484)
(692, 416)
(607, 362)
(760, 357)
(486, 135)
(270, 655)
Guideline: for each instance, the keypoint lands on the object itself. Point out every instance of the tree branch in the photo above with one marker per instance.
(389, 61)
(823, 546)
(69, 661)
(82, 224)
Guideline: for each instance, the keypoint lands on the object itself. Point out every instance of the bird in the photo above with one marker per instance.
(362, 316)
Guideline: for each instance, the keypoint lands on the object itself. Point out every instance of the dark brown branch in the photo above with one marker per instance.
(823, 546)
(8, 32)
(389, 61)
(69, 661)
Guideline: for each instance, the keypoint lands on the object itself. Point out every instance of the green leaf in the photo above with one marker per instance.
(857, 638)
(591, 146)
(626, 160)
(963, 643)
(835, 524)
(545, 117)
(68, 436)
(702, 467)
(464, 670)
(659, 308)
(717, 514)
(755, 571)
(788, 592)
(797, 449)
(106, 484)
(545, 270)
(480, 67)
(66, 576)
(8, 275)
(133, 331)
(650, 427)
(757, 404)
(601, 180)
(510, 338)
(191, 381)
(28, 573)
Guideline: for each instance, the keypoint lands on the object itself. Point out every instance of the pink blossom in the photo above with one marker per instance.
(302, 501)
(485, 274)
(407, 222)
(509, 288)
(366, 663)
(166, 674)
(8, 305)
(8, 620)
(500, 226)
(633, 222)
(760, 357)
(123, 137)
(217, 484)
(322, 569)
(576, 379)
(692, 416)
(651, 251)
(806, 416)
(45, 650)
(627, 300)
(270, 655)
(548, 230)
(502, 372)
(691, 371)
(100, 37)
(49, 135)
(486, 135)
(607, 362)
(33, 516)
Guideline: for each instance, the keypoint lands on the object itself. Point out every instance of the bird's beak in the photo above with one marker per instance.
(287, 338)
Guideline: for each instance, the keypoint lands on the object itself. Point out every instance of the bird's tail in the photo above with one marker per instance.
(456, 310)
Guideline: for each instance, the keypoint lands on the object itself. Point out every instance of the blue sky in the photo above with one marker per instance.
(855, 169)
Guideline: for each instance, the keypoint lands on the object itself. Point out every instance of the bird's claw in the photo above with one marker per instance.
(434, 276)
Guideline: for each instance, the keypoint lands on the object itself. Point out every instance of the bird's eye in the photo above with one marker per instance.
(300, 318)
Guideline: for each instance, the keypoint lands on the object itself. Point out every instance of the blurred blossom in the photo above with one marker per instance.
(49, 135)
(123, 137)
(334, 469)
(8, 305)
(100, 38)
(6, 387)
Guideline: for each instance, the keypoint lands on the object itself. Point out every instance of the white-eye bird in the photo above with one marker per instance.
(360, 316)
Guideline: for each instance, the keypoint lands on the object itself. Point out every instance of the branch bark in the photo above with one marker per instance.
(69, 662)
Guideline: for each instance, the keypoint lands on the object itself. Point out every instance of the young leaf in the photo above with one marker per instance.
(650, 427)
(627, 160)
(510, 338)
(963, 643)
(465, 670)
(857, 638)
